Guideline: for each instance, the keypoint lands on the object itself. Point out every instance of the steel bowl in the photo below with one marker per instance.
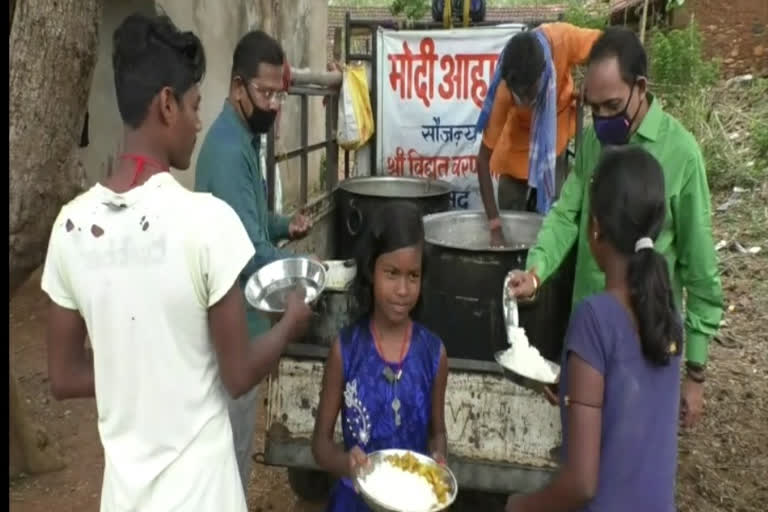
(268, 288)
(378, 457)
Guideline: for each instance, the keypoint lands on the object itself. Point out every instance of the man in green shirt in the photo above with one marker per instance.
(228, 167)
(625, 113)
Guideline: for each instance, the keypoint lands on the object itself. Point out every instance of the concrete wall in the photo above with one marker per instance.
(301, 29)
(105, 129)
(219, 24)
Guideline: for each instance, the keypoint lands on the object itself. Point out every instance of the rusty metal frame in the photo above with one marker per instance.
(313, 352)
(304, 91)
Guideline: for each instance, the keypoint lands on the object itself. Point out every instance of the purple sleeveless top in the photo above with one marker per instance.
(638, 448)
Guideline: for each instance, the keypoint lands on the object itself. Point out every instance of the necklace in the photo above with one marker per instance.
(391, 375)
(141, 163)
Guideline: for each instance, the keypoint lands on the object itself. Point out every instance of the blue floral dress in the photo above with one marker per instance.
(367, 415)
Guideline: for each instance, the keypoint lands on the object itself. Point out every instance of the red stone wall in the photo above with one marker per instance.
(736, 32)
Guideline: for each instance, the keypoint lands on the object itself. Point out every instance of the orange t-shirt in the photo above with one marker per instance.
(508, 131)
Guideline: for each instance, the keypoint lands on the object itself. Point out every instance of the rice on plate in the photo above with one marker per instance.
(402, 482)
(521, 357)
(524, 359)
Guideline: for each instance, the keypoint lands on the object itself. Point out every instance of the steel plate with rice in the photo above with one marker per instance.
(268, 289)
(405, 481)
(521, 362)
(522, 376)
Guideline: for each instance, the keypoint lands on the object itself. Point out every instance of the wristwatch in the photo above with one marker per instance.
(695, 371)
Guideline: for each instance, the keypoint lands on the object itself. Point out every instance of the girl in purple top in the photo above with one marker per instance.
(620, 381)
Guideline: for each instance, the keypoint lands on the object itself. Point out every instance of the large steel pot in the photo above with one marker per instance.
(333, 311)
(357, 199)
(463, 284)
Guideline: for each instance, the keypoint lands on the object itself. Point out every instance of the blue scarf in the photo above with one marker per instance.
(542, 152)
(485, 111)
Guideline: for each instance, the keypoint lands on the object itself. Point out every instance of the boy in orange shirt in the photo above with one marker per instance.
(509, 132)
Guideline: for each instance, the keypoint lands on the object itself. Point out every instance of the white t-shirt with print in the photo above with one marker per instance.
(142, 268)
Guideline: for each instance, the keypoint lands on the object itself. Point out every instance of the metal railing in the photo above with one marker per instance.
(304, 85)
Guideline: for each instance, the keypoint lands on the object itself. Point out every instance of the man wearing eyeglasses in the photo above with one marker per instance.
(228, 167)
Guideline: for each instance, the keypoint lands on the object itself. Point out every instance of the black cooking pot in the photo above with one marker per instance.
(464, 280)
(357, 199)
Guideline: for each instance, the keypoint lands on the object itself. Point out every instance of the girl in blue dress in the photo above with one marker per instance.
(385, 373)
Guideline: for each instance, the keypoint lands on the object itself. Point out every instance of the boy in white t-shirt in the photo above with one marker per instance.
(148, 270)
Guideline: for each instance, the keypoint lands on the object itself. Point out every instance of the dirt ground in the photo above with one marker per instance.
(723, 461)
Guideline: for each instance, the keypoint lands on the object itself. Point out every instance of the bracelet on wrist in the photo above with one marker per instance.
(536, 284)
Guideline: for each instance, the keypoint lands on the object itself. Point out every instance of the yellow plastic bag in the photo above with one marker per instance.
(355, 114)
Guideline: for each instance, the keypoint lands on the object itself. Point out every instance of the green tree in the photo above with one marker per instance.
(410, 9)
(677, 58)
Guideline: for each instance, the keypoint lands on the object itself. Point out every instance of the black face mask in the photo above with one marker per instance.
(260, 120)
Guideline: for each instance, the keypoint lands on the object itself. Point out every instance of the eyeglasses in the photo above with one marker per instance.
(277, 97)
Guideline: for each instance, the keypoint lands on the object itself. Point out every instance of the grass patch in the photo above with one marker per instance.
(592, 16)
(676, 58)
(730, 122)
(728, 118)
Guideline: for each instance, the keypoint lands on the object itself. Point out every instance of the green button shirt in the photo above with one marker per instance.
(228, 167)
(685, 239)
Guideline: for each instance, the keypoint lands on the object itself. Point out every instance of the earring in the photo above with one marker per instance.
(594, 235)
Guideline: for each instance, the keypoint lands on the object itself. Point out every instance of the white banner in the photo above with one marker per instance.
(430, 88)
